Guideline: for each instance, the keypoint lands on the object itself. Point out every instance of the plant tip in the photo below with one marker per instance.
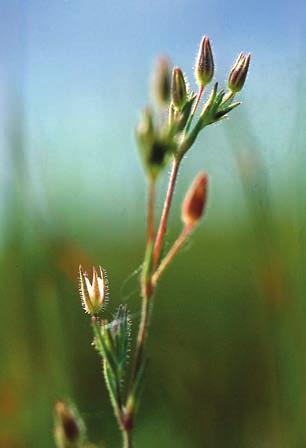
(238, 73)
(204, 68)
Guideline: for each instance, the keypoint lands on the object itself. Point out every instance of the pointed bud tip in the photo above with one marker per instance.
(195, 200)
(204, 68)
(238, 72)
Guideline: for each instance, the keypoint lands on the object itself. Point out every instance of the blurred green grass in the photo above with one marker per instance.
(227, 345)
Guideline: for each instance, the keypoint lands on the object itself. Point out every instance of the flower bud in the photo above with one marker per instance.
(155, 149)
(195, 200)
(69, 428)
(239, 72)
(93, 295)
(178, 89)
(162, 81)
(204, 68)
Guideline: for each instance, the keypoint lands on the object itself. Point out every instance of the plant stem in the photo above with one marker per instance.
(150, 211)
(229, 96)
(171, 186)
(141, 338)
(165, 213)
(172, 252)
(200, 93)
(127, 439)
(152, 255)
(195, 107)
(146, 285)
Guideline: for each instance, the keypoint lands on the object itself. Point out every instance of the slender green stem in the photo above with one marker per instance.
(229, 96)
(142, 333)
(146, 289)
(195, 107)
(127, 439)
(146, 292)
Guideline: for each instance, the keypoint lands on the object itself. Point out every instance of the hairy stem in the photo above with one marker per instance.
(146, 288)
(146, 292)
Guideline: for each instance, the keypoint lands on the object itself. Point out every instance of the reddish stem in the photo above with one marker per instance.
(196, 105)
(165, 213)
(146, 284)
(172, 252)
(150, 211)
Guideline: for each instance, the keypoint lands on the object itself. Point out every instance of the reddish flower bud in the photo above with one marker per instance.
(195, 200)
(239, 72)
(204, 68)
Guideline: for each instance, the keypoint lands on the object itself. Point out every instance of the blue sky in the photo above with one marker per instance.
(82, 69)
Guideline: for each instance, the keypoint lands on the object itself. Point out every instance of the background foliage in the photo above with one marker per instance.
(228, 342)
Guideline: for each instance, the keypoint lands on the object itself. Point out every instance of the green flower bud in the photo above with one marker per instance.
(178, 89)
(157, 157)
(239, 72)
(154, 149)
(204, 68)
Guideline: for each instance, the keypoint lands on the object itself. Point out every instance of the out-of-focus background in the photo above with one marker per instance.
(228, 340)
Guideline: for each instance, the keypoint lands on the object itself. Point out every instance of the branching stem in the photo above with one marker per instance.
(127, 439)
(172, 252)
(195, 107)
